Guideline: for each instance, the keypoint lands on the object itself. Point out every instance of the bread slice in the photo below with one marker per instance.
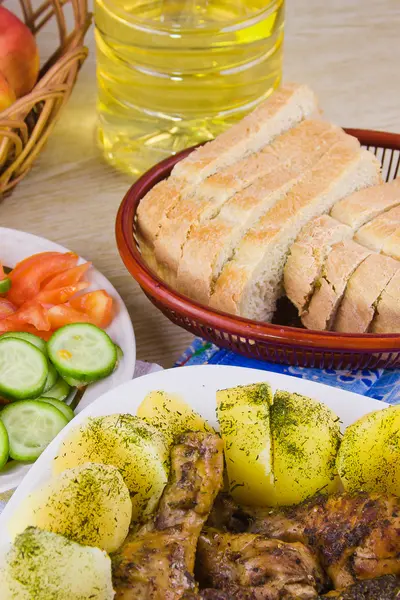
(194, 210)
(377, 232)
(157, 202)
(287, 106)
(251, 283)
(211, 244)
(361, 207)
(339, 266)
(307, 255)
(391, 245)
(387, 315)
(363, 290)
(288, 147)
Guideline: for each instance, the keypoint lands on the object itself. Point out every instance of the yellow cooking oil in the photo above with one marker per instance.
(173, 73)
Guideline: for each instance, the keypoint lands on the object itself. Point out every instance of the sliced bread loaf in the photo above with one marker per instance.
(307, 255)
(289, 105)
(195, 209)
(366, 204)
(387, 315)
(340, 264)
(251, 283)
(364, 288)
(375, 233)
(211, 244)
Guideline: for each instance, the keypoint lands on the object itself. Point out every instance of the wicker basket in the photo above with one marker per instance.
(26, 125)
(265, 341)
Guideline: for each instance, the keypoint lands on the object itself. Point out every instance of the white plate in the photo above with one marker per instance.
(14, 247)
(197, 385)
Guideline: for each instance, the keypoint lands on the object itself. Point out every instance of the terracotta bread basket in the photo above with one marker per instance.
(265, 341)
(26, 124)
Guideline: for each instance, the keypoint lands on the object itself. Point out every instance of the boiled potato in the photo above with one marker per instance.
(305, 439)
(243, 414)
(369, 456)
(89, 504)
(170, 414)
(46, 566)
(137, 449)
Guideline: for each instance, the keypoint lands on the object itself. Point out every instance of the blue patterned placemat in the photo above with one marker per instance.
(380, 384)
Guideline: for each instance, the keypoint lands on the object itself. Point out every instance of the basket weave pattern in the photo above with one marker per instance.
(26, 124)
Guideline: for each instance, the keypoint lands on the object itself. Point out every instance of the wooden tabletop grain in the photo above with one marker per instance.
(347, 50)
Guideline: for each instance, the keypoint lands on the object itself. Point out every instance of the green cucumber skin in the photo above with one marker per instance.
(75, 377)
(34, 454)
(5, 285)
(59, 391)
(4, 445)
(51, 378)
(10, 393)
(59, 405)
(27, 337)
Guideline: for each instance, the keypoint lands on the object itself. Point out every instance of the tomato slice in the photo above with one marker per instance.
(13, 324)
(65, 315)
(68, 277)
(27, 277)
(98, 305)
(60, 295)
(33, 314)
(33, 259)
(6, 308)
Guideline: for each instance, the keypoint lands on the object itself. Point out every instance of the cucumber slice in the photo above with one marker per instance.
(63, 408)
(23, 369)
(74, 382)
(51, 378)
(28, 337)
(83, 352)
(5, 285)
(4, 445)
(31, 426)
(59, 391)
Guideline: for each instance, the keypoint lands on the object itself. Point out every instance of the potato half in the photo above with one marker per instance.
(46, 565)
(369, 456)
(89, 504)
(171, 414)
(305, 440)
(243, 414)
(137, 449)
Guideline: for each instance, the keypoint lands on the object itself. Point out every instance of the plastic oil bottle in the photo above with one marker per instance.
(173, 73)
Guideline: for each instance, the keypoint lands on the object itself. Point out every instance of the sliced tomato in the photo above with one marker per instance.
(33, 314)
(6, 308)
(68, 277)
(63, 314)
(60, 295)
(26, 280)
(98, 305)
(30, 260)
(13, 324)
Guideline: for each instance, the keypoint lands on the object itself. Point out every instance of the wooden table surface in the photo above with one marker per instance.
(349, 54)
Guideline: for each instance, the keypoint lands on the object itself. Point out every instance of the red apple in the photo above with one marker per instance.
(19, 57)
(7, 96)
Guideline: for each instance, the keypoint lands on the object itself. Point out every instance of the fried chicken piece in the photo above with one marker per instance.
(157, 562)
(382, 588)
(263, 568)
(355, 536)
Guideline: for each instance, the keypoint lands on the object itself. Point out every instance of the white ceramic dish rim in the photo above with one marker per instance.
(16, 245)
(197, 384)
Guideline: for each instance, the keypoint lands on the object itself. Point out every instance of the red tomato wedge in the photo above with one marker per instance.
(60, 295)
(6, 308)
(12, 324)
(33, 314)
(65, 315)
(98, 305)
(28, 275)
(68, 277)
